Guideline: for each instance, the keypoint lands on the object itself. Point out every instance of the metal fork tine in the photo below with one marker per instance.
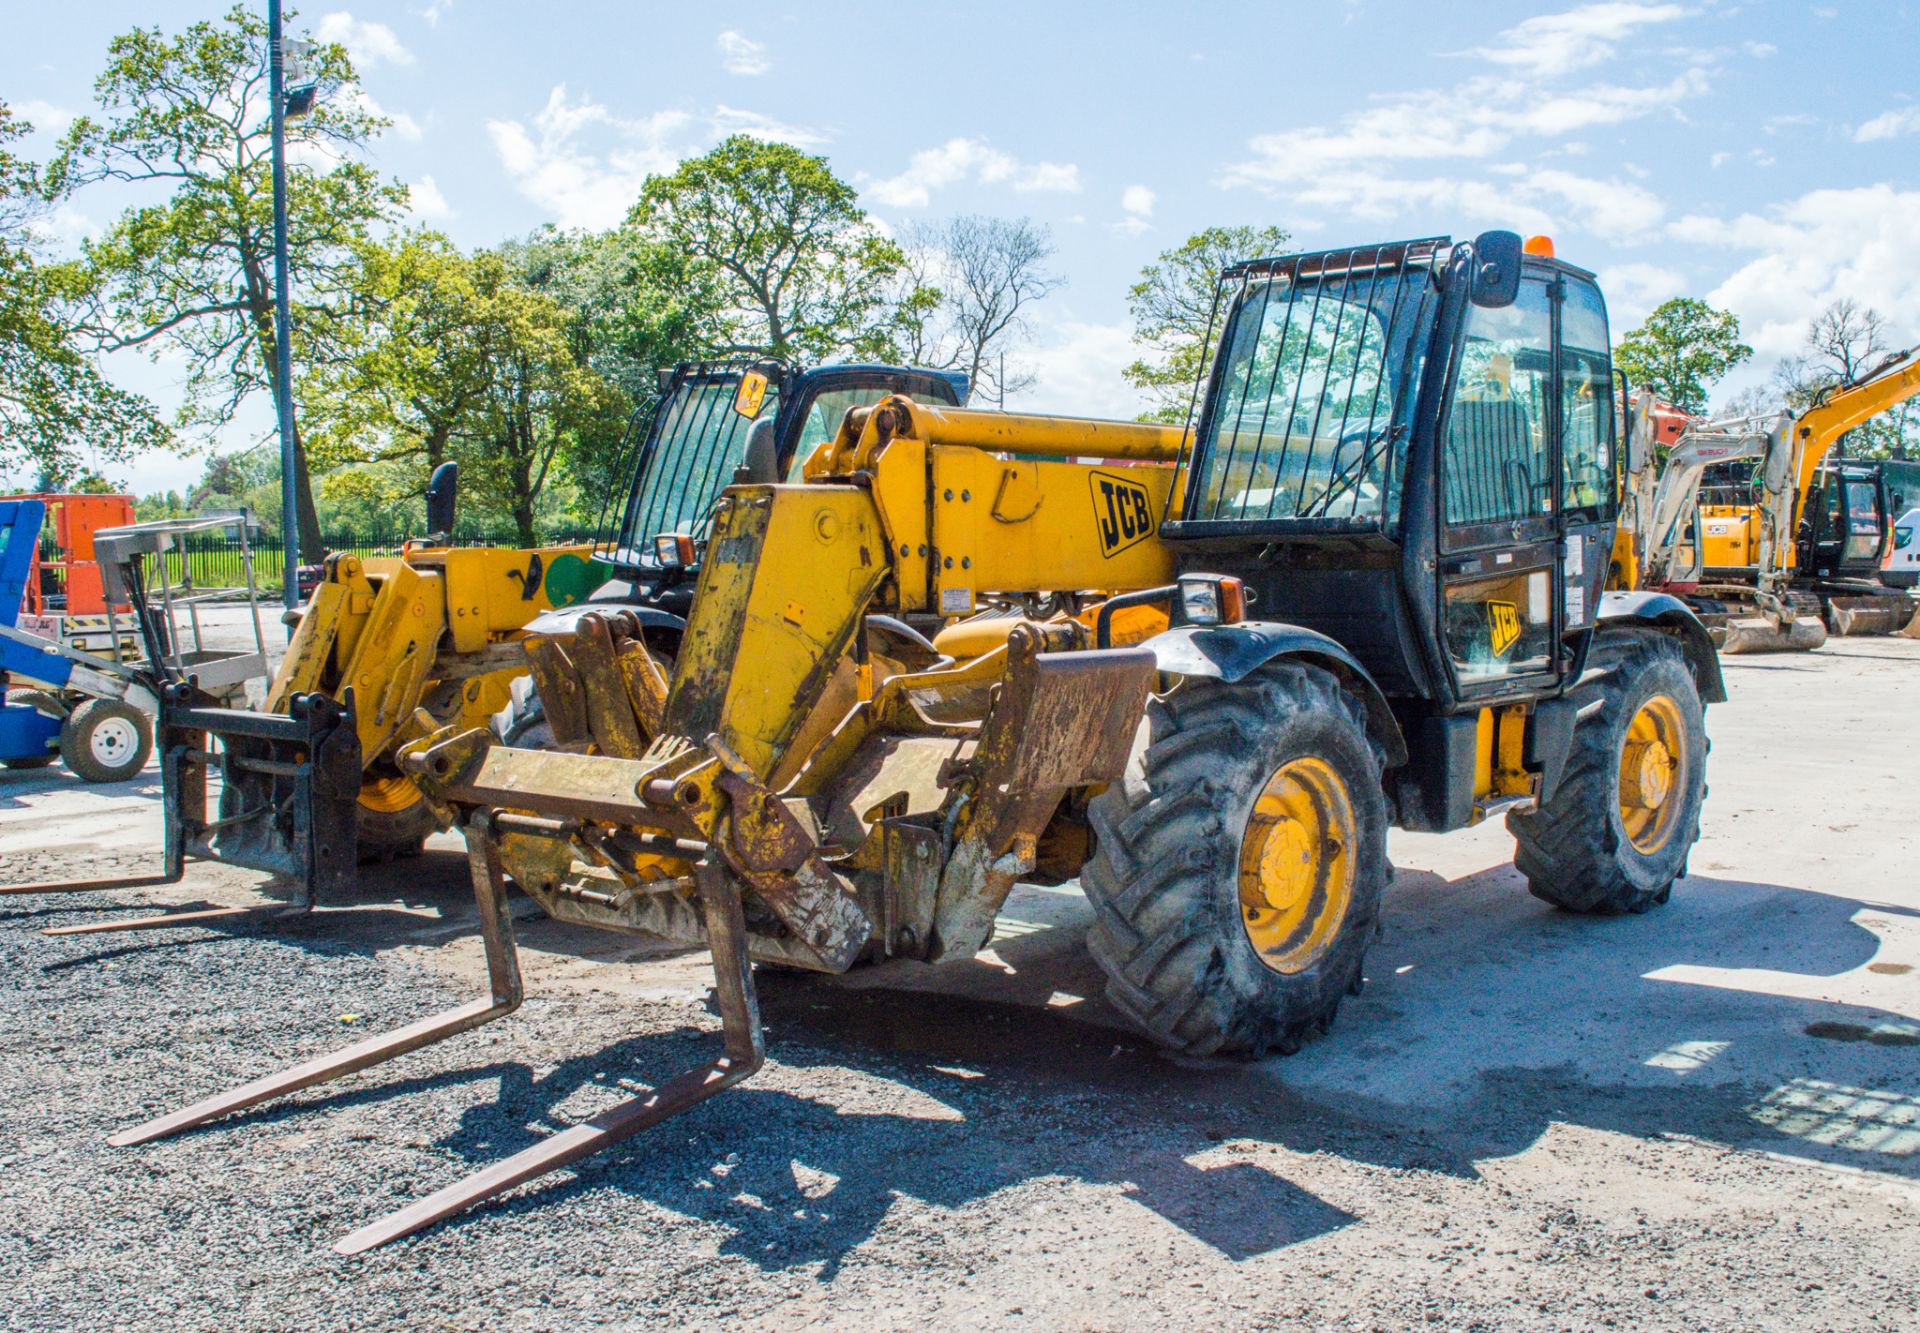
(88, 885)
(503, 975)
(744, 1053)
(173, 919)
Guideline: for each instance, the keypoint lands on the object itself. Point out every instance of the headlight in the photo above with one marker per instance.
(673, 550)
(1212, 599)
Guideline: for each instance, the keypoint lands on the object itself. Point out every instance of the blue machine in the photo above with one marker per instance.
(80, 714)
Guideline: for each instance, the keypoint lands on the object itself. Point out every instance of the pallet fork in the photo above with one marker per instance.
(742, 1051)
(289, 785)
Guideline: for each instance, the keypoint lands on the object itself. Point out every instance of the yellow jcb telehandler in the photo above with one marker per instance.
(1365, 588)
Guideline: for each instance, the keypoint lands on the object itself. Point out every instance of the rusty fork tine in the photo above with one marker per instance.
(503, 976)
(743, 1054)
(166, 919)
(88, 885)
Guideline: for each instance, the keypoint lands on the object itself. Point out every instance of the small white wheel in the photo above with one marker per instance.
(105, 740)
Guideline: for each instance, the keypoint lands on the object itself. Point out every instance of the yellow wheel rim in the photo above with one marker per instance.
(1296, 864)
(388, 795)
(1653, 772)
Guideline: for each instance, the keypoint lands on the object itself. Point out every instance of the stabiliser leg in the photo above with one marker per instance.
(503, 977)
(742, 1054)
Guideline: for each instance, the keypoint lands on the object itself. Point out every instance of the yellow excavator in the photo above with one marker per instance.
(1808, 538)
(1725, 547)
(1214, 668)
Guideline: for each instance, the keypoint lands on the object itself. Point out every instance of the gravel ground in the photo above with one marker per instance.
(984, 1151)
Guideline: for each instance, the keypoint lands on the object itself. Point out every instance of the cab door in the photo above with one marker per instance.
(1499, 526)
(1529, 465)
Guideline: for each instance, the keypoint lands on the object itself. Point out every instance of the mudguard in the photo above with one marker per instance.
(1668, 614)
(1229, 652)
(565, 620)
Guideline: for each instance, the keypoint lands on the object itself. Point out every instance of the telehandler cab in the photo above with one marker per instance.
(1364, 588)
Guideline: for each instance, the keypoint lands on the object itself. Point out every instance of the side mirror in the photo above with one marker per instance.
(441, 491)
(1496, 269)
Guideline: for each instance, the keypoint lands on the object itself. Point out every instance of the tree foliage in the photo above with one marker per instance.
(1682, 350)
(192, 274)
(805, 274)
(1844, 343)
(1173, 309)
(969, 282)
(59, 416)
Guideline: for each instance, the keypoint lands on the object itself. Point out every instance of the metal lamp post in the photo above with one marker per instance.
(284, 105)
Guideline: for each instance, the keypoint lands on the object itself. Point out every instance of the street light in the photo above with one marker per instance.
(286, 61)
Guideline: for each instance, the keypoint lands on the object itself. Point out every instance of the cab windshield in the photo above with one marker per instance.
(1311, 405)
(698, 441)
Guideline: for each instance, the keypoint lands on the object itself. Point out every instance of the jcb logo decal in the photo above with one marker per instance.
(1503, 626)
(1122, 511)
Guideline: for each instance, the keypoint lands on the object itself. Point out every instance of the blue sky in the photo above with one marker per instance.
(1763, 155)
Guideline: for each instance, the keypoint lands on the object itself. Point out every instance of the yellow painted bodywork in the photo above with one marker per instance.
(1500, 751)
(1727, 537)
(962, 520)
(913, 524)
(389, 628)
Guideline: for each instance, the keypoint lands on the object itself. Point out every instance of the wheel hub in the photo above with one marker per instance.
(1652, 773)
(1296, 867)
(113, 740)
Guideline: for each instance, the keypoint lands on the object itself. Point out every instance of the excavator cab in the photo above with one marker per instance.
(1844, 526)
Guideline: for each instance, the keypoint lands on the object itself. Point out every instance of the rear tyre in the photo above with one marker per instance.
(106, 740)
(1616, 834)
(1240, 862)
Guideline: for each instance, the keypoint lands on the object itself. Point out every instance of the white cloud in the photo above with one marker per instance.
(732, 120)
(740, 54)
(582, 188)
(585, 164)
(959, 160)
(370, 44)
(435, 11)
(1077, 367)
(1552, 44)
(1137, 202)
(1889, 125)
(1462, 135)
(1633, 290)
(45, 117)
(1810, 251)
(425, 201)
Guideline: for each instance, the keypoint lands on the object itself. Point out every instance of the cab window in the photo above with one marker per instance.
(1586, 404)
(1495, 459)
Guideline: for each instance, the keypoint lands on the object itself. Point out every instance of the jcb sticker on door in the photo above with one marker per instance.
(1122, 511)
(1503, 627)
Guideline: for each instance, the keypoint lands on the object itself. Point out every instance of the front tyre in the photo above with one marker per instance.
(106, 740)
(1616, 833)
(1240, 862)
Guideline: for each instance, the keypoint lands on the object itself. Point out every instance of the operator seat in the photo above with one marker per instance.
(761, 463)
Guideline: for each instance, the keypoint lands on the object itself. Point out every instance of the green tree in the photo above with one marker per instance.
(1173, 309)
(805, 273)
(1682, 350)
(191, 274)
(638, 305)
(413, 367)
(544, 399)
(58, 413)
